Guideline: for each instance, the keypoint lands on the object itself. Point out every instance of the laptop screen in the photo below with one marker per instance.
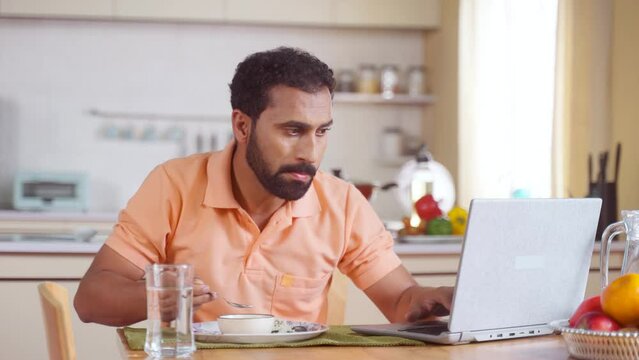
(523, 262)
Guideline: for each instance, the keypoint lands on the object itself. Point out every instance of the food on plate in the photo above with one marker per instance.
(427, 208)
(620, 300)
(439, 226)
(458, 218)
(591, 304)
(597, 321)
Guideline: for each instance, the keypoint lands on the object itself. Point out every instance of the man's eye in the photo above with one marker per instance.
(293, 131)
(322, 132)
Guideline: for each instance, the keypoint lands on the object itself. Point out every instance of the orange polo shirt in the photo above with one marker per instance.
(185, 212)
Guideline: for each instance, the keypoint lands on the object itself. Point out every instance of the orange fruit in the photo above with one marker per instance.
(620, 299)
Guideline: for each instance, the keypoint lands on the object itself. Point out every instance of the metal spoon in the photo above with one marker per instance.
(232, 303)
(237, 305)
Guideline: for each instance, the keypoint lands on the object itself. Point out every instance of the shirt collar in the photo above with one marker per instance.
(219, 189)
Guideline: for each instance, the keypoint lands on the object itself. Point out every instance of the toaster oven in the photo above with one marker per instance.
(41, 191)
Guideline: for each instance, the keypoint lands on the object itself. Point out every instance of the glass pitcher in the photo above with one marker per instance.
(630, 226)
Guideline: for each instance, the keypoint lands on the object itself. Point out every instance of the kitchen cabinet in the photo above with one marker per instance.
(24, 336)
(57, 8)
(417, 14)
(169, 9)
(306, 12)
(401, 14)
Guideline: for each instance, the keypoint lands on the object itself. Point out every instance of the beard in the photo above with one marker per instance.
(276, 183)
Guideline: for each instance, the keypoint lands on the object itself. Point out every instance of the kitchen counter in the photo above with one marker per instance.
(40, 244)
(50, 247)
(455, 248)
(14, 215)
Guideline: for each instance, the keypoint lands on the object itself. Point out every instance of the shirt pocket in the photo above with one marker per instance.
(300, 298)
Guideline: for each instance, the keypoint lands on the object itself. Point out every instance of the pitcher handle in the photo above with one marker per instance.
(611, 231)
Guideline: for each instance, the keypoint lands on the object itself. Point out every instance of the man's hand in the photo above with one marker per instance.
(168, 301)
(399, 297)
(428, 302)
(201, 294)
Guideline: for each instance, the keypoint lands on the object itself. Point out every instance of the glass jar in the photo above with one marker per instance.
(391, 143)
(416, 80)
(367, 81)
(345, 81)
(389, 81)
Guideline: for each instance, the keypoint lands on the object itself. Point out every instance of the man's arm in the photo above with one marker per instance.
(113, 291)
(400, 299)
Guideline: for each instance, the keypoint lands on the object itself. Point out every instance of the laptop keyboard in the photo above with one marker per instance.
(433, 327)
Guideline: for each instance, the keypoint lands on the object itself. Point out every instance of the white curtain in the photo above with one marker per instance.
(507, 79)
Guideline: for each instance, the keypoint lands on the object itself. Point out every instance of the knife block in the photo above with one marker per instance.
(608, 194)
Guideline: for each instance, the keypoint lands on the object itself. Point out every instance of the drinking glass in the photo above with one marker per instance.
(169, 297)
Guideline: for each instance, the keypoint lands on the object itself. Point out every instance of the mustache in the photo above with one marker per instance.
(307, 169)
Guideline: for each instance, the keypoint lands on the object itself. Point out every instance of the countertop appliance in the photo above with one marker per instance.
(42, 191)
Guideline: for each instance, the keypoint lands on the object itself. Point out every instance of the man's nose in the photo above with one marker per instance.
(308, 149)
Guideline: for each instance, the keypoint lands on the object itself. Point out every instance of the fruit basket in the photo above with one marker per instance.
(599, 345)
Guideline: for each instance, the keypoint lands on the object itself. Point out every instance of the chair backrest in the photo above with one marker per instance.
(337, 299)
(57, 321)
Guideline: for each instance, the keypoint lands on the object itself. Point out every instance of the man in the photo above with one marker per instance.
(258, 222)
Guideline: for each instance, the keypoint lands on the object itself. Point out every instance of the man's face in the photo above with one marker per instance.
(288, 140)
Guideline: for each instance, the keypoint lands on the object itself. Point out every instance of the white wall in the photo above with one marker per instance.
(53, 71)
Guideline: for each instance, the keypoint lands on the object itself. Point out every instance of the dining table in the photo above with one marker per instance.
(546, 347)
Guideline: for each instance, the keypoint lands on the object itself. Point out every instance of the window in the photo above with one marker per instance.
(507, 79)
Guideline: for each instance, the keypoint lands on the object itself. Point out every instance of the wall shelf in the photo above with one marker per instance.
(394, 162)
(125, 115)
(399, 99)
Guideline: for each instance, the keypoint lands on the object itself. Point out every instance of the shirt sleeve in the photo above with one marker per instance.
(369, 254)
(145, 225)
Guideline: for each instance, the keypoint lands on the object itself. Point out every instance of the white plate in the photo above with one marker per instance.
(283, 331)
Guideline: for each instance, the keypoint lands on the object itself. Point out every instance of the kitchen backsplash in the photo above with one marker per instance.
(54, 73)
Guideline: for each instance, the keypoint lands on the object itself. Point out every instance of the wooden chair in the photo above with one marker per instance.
(337, 299)
(57, 320)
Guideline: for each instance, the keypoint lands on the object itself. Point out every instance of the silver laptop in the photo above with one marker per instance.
(524, 263)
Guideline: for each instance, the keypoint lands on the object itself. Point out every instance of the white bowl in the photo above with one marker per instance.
(246, 323)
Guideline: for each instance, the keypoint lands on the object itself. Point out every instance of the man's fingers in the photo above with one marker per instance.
(204, 298)
(432, 303)
(446, 296)
(439, 310)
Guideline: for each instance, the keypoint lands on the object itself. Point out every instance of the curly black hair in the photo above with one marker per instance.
(260, 72)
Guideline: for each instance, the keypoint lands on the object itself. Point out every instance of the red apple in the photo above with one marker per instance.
(597, 321)
(591, 304)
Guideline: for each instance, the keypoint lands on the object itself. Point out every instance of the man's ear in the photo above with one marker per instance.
(242, 126)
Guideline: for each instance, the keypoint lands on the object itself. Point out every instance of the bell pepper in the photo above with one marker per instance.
(458, 217)
(439, 226)
(427, 208)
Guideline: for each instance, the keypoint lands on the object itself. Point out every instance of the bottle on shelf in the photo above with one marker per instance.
(367, 79)
(416, 80)
(389, 81)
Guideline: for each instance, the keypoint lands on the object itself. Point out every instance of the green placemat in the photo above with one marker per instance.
(340, 335)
